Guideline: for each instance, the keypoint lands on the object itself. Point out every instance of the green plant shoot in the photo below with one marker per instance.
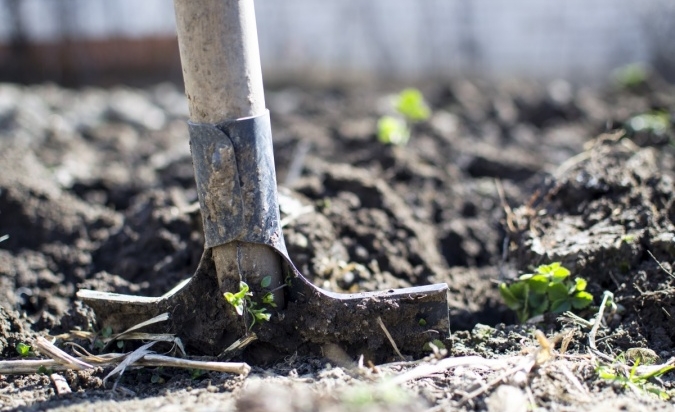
(266, 282)
(633, 379)
(242, 301)
(393, 130)
(631, 76)
(238, 300)
(410, 108)
(548, 289)
(410, 103)
(23, 349)
(656, 122)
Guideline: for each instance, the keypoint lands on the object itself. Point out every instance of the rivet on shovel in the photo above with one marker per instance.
(231, 143)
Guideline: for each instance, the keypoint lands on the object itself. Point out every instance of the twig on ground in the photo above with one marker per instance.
(391, 339)
(661, 265)
(47, 348)
(239, 368)
(128, 360)
(449, 363)
(121, 336)
(596, 325)
(566, 340)
(26, 366)
(238, 346)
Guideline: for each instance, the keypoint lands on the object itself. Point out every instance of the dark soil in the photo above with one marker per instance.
(97, 192)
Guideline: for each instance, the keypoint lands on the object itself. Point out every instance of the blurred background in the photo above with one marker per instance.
(78, 42)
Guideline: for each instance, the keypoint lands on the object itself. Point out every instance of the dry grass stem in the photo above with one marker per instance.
(596, 325)
(391, 339)
(128, 361)
(239, 368)
(47, 348)
(426, 370)
(661, 265)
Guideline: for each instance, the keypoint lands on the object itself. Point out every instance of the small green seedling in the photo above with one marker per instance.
(627, 238)
(157, 376)
(106, 332)
(196, 373)
(631, 76)
(549, 289)
(656, 122)
(410, 108)
(633, 379)
(23, 349)
(242, 301)
(393, 130)
(238, 300)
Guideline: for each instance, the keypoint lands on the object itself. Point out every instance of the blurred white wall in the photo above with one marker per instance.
(573, 39)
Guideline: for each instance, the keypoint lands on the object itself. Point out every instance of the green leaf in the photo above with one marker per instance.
(538, 283)
(243, 290)
(266, 282)
(410, 103)
(22, 349)
(560, 306)
(436, 342)
(236, 301)
(580, 284)
(607, 373)
(263, 316)
(581, 300)
(519, 290)
(107, 332)
(536, 300)
(557, 291)
(196, 373)
(509, 298)
(526, 276)
(268, 299)
(555, 271)
(657, 122)
(539, 304)
(392, 130)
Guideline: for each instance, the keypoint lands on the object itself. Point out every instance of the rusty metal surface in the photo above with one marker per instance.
(311, 319)
(198, 314)
(236, 182)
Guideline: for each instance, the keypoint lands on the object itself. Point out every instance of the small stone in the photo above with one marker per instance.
(507, 398)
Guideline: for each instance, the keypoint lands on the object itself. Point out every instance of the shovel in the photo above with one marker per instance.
(231, 145)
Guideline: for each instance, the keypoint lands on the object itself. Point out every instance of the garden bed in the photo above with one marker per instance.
(97, 191)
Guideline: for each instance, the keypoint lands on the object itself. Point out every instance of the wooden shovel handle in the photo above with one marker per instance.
(218, 44)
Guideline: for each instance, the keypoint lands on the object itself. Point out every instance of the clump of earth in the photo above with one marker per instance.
(97, 192)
